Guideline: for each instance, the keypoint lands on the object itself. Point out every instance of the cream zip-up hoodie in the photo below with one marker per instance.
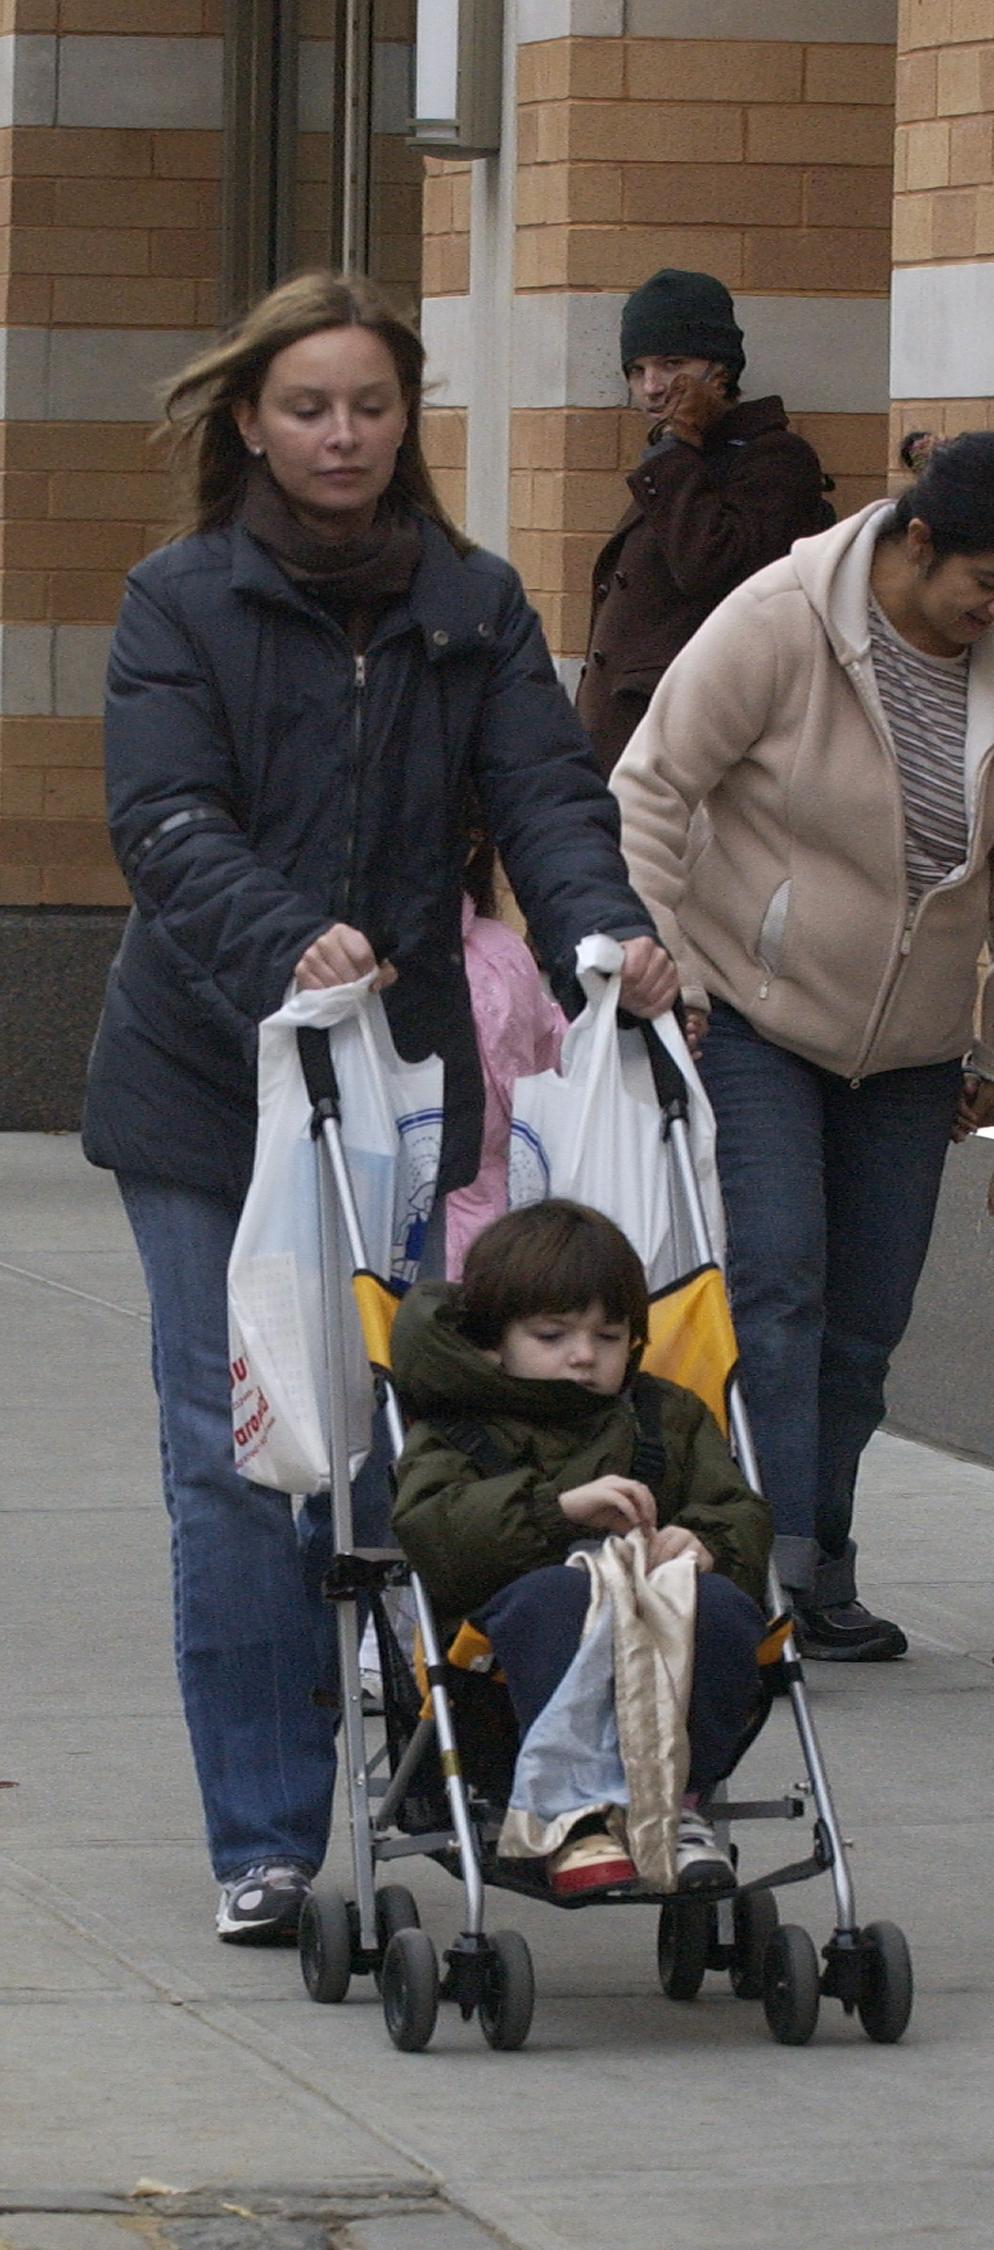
(790, 899)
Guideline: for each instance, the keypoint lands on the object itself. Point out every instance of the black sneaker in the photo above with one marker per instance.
(262, 1904)
(847, 1633)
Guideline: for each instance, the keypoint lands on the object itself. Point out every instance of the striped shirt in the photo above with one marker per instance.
(924, 700)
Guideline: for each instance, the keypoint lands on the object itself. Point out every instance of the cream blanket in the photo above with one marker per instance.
(614, 1735)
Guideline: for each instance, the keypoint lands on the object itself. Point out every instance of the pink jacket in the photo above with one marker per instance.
(518, 1031)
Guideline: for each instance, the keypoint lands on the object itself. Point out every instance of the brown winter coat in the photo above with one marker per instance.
(700, 522)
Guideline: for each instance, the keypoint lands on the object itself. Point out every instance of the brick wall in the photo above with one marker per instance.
(944, 211)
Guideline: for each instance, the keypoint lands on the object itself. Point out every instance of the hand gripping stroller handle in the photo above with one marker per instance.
(667, 1077)
(314, 1049)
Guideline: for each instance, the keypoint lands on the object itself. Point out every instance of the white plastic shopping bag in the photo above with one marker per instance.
(278, 1328)
(592, 1129)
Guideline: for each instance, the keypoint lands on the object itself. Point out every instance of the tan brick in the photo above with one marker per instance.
(45, 742)
(552, 144)
(32, 203)
(543, 70)
(450, 485)
(972, 19)
(197, 155)
(591, 501)
(25, 300)
(82, 597)
(77, 250)
(392, 19)
(954, 224)
(669, 132)
(911, 241)
(555, 194)
(928, 156)
(22, 793)
(53, 840)
(520, 509)
(29, 15)
(620, 257)
(849, 73)
(971, 151)
(853, 493)
(537, 438)
(834, 197)
(900, 159)
(710, 70)
(541, 257)
(23, 596)
(63, 151)
(712, 194)
(91, 301)
(208, 304)
(190, 252)
(963, 81)
(984, 222)
(580, 550)
(820, 258)
(928, 23)
(47, 545)
(19, 886)
(73, 795)
(149, 17)
(596, 68)
(590, 438)
(846, 444)
(134, 203)
(437, 204)
(816, 133)
(77, 445)
(23, 495)
(74, 885)
(111, 499)
(916, 81)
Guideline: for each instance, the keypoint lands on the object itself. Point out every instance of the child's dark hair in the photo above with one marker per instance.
(954, 495)
(553, 1257)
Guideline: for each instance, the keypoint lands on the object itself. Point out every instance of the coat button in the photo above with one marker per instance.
(440, 639)
(486, 632)
(621, 577)
(603, 588)
(597, 656)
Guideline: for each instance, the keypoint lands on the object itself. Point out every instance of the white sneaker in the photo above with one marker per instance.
(261, 1905)
(701, 1865)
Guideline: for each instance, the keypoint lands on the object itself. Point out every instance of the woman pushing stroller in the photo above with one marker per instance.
(537, 1353)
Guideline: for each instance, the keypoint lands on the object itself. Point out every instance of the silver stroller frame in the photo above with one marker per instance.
(378, 1932)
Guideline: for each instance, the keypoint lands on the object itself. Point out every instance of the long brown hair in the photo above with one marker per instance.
(207, 446)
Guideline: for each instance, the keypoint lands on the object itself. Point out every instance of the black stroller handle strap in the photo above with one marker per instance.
(667, 1077)
(314, 1049)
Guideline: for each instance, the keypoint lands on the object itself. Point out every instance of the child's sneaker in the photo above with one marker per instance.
(591, 1860)
(262, 1905)
(701, 1865)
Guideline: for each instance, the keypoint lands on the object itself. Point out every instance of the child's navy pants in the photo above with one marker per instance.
(535, 1627)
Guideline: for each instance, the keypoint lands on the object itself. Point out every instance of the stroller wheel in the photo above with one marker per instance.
(886, 1989)
(325, 1941)
(682, 1946)
(396, 1909)
(791, 1985)
(409, 1986)
(756, 1919)
(508, 2001)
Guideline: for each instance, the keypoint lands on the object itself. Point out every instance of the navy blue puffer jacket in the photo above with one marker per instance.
(264, 782)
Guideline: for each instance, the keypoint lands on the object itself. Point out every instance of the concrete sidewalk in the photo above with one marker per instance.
(138, 2049)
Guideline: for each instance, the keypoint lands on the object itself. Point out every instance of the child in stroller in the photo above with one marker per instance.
(535, 1431)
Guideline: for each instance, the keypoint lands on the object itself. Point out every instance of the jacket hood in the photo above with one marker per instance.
(437, 1370)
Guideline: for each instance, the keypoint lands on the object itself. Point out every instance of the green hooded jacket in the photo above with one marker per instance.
(468, 1534)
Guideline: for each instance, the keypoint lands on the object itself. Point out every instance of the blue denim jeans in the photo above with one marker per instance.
(253, 1638)
(830, 1192)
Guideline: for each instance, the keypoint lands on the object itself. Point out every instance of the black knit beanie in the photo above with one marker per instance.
(689, 315)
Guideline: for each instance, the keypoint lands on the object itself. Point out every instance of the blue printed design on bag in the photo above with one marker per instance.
(419, 1134)
(529, 1173)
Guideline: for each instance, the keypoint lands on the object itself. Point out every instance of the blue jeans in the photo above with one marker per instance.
(830, 1192)
(253, 1638)
(535, 1626)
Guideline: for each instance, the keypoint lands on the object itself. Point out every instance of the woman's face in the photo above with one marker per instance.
(955, 597)
(329, 419)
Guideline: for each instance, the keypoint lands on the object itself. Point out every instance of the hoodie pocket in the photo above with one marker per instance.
(769, 948)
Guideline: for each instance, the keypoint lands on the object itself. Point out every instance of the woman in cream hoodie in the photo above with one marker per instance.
(834, 717)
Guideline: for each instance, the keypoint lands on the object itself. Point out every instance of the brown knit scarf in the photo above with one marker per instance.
(358, 576)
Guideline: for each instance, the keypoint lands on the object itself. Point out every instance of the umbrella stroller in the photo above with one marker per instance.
(433, 1785)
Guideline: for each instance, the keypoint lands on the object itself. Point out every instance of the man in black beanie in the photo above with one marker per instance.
(724, 488)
